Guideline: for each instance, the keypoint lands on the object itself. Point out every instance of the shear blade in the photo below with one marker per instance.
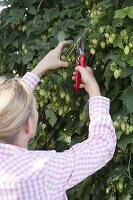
(80, 47)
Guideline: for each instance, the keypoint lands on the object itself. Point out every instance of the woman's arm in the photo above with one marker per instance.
(66, 169)
(70, 167)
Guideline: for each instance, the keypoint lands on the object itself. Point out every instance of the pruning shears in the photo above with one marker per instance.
(81, 61)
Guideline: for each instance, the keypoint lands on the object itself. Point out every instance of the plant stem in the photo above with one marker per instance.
(37, 12)
(79, 38)
(129, 163)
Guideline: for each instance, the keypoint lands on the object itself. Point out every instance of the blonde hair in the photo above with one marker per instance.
(16, 100)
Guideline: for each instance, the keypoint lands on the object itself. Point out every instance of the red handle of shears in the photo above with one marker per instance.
(82, 62)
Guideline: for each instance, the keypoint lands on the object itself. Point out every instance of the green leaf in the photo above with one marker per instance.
(130, 12)
(10, 39)
(55, 78)
(122, 13)
(117, 22)
(86, 182)
(64, 137)
(124, 141)
(5, 43)
(121, 63)
(130, 61)
(9, 20)
(111, 56)
(117, 173)
(28, 3)
(32, 10)
(126, 196)
(27, 58)
(107, 74)
(127, 98)
(67, 24)
(50, 14)
(126, 72)
(61, 36)
(69, 123)
(15, 43)
(112, 198)
(51, 116)
(12, 59)
(17, 13)
(118, 42)
(11, 65)
(70, 3)
(132, 77)
(75, 140)
(32, 145)
(131, 119)
(107, 4)
(79, 126)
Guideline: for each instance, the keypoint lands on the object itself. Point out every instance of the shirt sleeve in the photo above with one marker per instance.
(31, 79)
(72, 166)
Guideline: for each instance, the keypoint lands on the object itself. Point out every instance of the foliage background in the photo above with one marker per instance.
(28, 30)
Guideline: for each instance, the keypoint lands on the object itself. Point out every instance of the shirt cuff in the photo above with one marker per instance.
(31, 79)
(98, 104)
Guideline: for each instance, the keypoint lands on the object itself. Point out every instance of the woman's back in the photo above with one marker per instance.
(23, 172)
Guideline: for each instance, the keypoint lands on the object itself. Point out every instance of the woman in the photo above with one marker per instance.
(46, 175)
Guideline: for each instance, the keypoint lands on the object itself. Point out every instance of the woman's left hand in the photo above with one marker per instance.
(51, 60)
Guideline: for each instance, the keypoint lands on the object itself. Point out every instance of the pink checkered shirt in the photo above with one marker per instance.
(46, 175)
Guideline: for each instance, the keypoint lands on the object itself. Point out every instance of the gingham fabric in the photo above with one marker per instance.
(46, 175)
(31, 80)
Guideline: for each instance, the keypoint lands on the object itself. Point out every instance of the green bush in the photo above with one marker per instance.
(28, 30)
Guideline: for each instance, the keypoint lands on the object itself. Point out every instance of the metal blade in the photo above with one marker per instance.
(81, 46)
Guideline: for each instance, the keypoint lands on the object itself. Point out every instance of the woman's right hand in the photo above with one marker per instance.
(88, 81)
(52, 60)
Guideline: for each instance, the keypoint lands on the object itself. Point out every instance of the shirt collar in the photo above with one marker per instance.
(6, 149)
